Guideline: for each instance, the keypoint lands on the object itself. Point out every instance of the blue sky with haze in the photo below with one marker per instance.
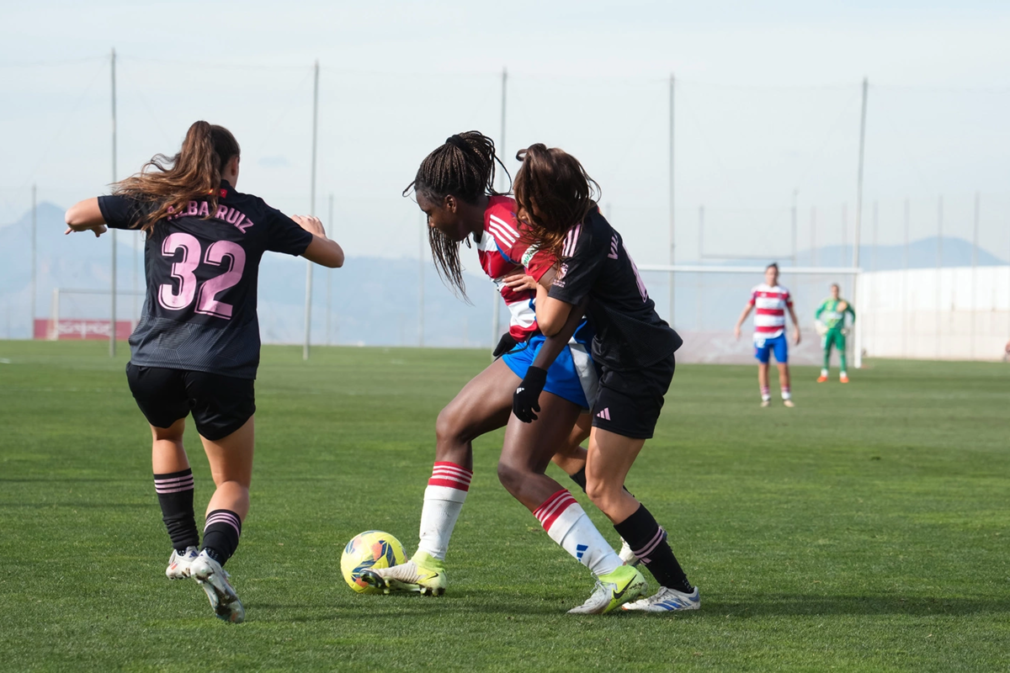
(767, 103)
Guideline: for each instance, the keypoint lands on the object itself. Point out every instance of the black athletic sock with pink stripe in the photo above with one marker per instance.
(175, 495)
(648, 540)
(221, 534)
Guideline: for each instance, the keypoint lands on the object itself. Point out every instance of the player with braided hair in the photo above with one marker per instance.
(454, 186)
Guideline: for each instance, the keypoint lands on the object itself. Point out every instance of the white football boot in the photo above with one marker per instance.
(423, 574)
(627, 555)
(613, 590)
(178, 564)
(666, 600)
(214, 580)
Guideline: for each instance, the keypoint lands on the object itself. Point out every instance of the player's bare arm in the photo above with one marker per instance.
(556, 343)
(84, 216)
(796, 324)
(321, 250)
(743, 317)
(552, 314)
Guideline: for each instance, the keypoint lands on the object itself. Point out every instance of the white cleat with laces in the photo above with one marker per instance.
(178, 564)
(214, 580)
(667, 600)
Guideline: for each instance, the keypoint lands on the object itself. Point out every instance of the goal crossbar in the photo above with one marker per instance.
(804, 270)
(853, 271)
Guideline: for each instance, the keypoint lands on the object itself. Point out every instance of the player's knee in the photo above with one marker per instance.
(511, 476)
(449, 425)
(603, 494)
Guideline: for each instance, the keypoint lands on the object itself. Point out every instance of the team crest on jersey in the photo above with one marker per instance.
(528, 256)
(559, 280)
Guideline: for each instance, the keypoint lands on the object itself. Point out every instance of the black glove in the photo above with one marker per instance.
(505, 344)
(526, 398)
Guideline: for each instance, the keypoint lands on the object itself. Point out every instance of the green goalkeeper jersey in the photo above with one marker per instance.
(830, 315)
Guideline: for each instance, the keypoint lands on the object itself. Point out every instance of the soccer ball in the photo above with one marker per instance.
(371, 549)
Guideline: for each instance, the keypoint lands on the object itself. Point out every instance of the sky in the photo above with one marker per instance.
(766, 109)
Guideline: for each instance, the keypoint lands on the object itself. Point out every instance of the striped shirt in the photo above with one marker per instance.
(502, 251)
(770, 304)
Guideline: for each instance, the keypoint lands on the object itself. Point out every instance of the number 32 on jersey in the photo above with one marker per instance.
(182, 271)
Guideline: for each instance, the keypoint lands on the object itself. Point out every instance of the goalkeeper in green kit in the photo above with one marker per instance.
(832, 328)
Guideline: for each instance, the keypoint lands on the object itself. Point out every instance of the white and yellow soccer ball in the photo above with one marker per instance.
(371, 549)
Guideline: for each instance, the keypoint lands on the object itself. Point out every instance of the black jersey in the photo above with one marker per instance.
(629, 332)
(202, 274)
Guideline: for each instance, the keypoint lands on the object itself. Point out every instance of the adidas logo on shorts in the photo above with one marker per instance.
(605, 414)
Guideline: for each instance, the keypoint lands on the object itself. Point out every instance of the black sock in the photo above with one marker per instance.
(648, 541)
(175, 495)
(221, 533)
(580, 479)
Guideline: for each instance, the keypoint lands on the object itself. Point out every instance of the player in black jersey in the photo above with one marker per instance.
(633, 347)
(454, 187)
(197, 345)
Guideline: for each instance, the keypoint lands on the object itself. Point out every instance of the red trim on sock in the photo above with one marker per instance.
(553, 507)
(450, 475)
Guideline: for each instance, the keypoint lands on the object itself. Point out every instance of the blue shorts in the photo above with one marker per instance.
(573, 375)
(764, 347)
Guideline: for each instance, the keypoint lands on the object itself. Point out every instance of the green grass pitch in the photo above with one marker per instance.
(866, 529)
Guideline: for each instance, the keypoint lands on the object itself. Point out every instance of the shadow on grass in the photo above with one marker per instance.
(800, 605)
(77, 505)
(401, 605)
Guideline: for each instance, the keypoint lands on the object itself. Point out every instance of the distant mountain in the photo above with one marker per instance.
(375, 300)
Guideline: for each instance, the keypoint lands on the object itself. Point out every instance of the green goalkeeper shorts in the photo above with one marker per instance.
(833, 337)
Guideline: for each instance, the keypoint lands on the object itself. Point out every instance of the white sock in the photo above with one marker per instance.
(786, 394)
(567, 524)
(443, 500)
(824, 372)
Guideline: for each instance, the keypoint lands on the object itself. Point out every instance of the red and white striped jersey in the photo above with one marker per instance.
(501, 252)
(770, 304)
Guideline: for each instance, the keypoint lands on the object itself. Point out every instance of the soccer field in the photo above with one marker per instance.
(866, 529)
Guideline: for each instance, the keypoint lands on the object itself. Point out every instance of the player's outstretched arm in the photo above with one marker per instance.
(321, 250)
(85, 215)
(743, 316)
(796, 324)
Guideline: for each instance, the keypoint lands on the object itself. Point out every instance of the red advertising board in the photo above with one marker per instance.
(80, 329)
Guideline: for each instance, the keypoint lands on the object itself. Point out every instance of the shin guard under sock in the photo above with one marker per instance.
(221, 534)
(175, 495)
(648, 540)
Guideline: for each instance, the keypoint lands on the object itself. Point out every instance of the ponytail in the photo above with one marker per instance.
(168, 184)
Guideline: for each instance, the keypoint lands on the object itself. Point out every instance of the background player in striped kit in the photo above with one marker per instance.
(633, 347)
(196, 348)
(771, 301)
(454, 186)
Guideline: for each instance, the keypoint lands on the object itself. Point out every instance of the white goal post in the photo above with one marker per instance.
(56, 311)
(783, 271)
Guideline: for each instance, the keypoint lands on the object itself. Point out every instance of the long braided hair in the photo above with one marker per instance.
(464, 167)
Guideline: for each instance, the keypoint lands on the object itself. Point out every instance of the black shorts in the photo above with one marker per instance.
(629, 402)
(220, 404)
